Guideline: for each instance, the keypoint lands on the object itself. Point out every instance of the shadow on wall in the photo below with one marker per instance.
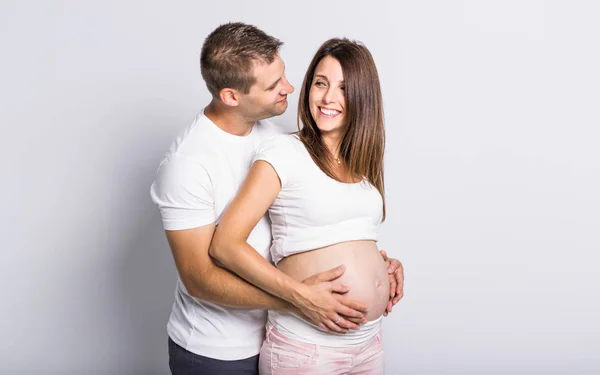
(147, 280)
(146, 276)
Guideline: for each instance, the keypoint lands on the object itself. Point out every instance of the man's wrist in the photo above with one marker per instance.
(289, 308)
(297, 297)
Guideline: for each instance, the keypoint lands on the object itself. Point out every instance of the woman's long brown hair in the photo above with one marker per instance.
(363, 141)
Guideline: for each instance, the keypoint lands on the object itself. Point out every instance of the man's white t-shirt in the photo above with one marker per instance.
(196, 180)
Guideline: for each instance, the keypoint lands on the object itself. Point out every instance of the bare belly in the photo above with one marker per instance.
(366, 272)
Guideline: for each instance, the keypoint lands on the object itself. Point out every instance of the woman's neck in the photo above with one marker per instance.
(332, 143)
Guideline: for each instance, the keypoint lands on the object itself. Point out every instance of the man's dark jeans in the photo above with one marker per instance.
(183, 362)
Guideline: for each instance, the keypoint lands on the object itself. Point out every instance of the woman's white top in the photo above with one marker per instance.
(311, 211)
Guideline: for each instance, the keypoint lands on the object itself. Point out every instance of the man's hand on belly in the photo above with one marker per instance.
(396, 275)
(343, 322)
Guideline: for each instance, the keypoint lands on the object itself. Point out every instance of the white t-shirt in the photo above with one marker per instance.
(197, 179)
(312, 210)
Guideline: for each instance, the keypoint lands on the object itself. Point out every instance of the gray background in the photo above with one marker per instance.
(493, 174)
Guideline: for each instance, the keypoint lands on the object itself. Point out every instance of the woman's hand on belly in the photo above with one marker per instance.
(323, 302)
(396, 276)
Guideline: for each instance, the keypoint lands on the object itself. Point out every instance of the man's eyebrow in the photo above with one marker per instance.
(274, 84)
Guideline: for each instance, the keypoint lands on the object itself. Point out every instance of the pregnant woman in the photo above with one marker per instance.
(323, 190)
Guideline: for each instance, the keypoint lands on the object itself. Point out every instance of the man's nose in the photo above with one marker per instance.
(289, 88)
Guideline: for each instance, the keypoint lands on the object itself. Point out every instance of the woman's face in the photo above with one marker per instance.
(326, 98)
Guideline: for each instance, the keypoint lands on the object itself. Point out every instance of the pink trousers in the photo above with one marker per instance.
(281, 355)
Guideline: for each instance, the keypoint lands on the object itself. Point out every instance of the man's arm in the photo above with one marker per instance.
(183, 192)
(205, 280)
(230, 247)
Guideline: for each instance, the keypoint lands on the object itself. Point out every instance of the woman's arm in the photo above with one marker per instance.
(229, 246)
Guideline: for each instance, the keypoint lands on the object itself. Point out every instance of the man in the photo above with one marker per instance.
(217, 321)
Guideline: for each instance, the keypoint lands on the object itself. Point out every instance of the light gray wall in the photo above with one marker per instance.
(493, 173)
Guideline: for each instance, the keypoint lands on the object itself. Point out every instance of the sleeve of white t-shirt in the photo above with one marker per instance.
(276, 151)
(184, 194)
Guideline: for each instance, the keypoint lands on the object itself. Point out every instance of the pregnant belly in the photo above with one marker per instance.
(365, 275)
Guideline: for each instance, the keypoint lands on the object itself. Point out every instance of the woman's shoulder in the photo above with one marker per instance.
(284, 142)
(284, 153)
(286, 138)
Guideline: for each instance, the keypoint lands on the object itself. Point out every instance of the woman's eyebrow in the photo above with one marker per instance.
(342, 82)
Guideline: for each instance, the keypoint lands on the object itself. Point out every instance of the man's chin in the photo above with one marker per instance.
(281, 110)
(278, 113)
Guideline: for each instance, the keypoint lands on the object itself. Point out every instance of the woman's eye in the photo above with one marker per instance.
(319, 83)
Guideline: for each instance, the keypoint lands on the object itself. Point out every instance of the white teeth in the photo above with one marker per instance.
(329, 112)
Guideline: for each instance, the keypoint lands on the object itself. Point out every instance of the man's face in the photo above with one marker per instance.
(268, 95)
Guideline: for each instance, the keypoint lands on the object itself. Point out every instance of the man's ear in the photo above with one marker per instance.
(230, 97)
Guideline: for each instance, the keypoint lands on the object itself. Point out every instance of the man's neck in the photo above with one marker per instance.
(227, 119)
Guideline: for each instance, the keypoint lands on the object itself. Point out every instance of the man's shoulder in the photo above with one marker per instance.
(196, 141)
